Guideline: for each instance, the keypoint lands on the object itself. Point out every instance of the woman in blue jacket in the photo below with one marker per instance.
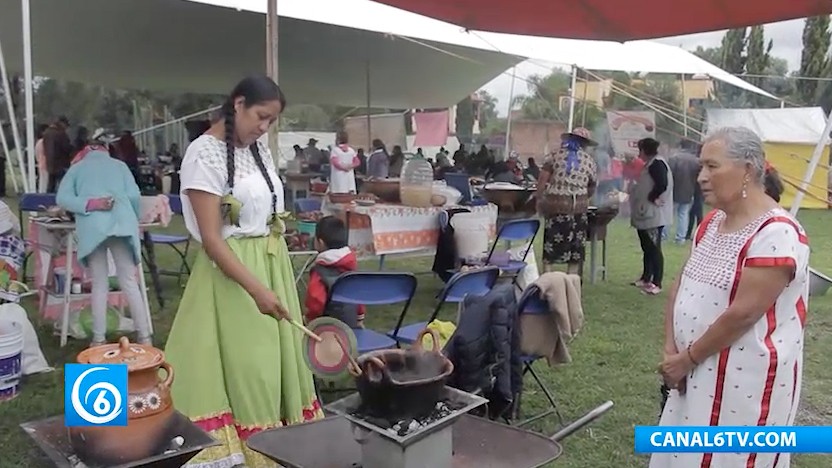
(104, 197)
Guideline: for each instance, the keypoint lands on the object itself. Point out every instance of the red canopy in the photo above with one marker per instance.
(618, 20)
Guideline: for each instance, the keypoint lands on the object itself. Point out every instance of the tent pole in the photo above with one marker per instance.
(8, 157)
(684, 104)
(28, 88)
(177, 120)
(272, 66)
(572, 98)
(813, 164)
(7, 92)
(369, 124)
(508, 119)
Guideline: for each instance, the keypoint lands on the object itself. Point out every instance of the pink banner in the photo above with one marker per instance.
(431, 128)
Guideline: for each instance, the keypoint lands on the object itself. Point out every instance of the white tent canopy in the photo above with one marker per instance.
(789, 126)
(195, 47)
(206, 45)
(802, 125)
(348, 52)
(635, 56)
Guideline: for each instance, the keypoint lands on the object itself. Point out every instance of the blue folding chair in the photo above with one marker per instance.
(33, 203)
(178, 242)
(530, 303)
(474, 282)
(373, 288)
(461, 182)
(512, 231)
(306, 205)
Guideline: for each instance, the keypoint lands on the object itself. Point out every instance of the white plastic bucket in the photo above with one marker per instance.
(11, 366)
(471, 234)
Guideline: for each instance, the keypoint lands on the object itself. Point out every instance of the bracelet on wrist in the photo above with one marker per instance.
(690, 356)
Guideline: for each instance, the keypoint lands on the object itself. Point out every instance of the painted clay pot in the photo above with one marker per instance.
(149, 407)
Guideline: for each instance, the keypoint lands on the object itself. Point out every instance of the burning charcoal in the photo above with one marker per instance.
(76, 462)
(414, 425)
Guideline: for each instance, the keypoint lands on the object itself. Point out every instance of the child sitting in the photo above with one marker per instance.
(334, 258)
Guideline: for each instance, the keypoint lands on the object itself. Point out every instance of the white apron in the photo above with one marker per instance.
(342, 181)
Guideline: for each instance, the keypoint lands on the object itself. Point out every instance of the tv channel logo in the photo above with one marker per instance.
(95, 395)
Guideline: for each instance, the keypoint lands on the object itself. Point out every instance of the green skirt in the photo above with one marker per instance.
(239, 371)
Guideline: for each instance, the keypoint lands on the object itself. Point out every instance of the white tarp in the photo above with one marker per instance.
(789, 125)
(180, 45)
(634, 56)
(415, 61)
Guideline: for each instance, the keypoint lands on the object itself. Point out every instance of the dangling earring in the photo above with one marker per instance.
(745, 188)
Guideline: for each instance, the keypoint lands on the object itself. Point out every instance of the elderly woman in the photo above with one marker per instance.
(733, 353)
(104, 197)
(566, 184)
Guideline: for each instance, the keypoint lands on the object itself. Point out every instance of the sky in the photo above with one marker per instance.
(786, 35)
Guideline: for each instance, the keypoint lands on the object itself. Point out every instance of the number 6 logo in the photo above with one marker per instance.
(101, 405)
(95, 395)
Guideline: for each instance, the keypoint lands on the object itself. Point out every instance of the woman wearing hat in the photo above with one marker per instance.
(566, 184)
(102, 193)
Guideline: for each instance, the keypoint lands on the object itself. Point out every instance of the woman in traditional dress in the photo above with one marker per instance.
(564, 189)
(239, 365)
(734, 322)
(342, 162)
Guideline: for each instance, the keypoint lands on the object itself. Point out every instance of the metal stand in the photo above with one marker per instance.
(51, 436)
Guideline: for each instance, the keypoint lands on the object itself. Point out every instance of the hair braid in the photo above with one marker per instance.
(258, 159)
(228, 115)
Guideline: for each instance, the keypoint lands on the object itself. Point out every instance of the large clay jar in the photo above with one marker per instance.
(149, 407)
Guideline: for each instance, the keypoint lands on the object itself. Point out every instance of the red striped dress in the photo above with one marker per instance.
(756, 381)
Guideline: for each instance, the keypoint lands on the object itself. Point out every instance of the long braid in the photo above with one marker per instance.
(228, 115)
(258, 159)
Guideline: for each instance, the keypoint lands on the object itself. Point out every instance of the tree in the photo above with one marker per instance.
(487, 109)
(777, 80)
(733, 48)
(758, 55)
(813, 60)
(757, 59)
(712, 55)
(305, 117)
(733, 61)
(465, 119)
(544, 92)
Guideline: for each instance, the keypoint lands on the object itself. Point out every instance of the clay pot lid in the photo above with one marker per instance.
(136, 356)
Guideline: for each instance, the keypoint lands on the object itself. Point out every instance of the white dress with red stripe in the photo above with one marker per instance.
(756, 381)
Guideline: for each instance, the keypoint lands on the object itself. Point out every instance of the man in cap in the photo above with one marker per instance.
(565, 187)
(314, 156)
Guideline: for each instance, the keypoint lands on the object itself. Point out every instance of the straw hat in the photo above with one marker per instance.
(581, 133)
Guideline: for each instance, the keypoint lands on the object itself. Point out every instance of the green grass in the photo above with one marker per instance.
(614, 356)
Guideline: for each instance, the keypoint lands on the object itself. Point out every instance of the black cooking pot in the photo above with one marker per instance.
(397, 384)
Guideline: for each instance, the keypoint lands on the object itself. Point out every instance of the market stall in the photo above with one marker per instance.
(384, 229)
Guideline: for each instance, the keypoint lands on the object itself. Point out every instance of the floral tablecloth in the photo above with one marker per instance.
(384, 229)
